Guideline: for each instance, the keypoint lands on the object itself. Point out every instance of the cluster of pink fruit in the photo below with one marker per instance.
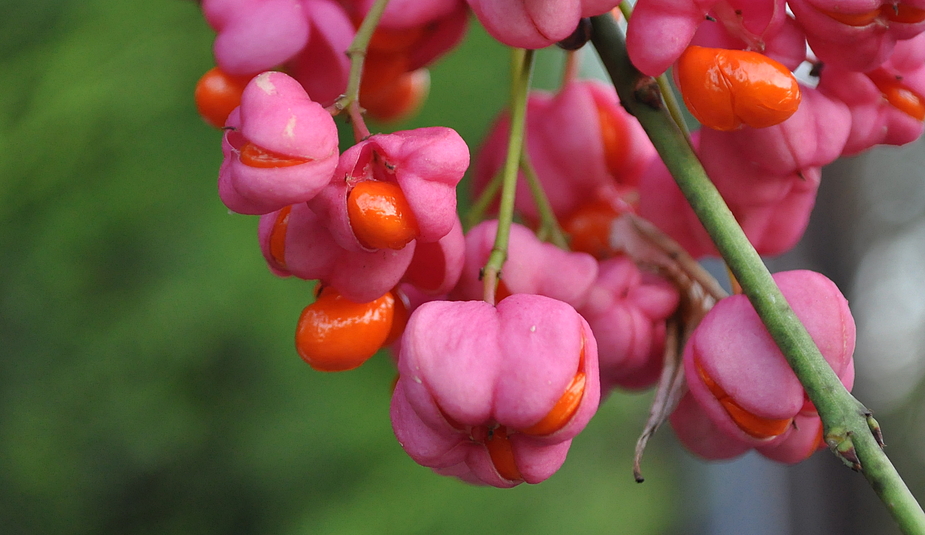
(497, 377)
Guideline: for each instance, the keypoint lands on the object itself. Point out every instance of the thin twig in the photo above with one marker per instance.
(522, 71)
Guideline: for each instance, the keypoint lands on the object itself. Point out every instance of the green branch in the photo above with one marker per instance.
(481, 204)
(850, 430)
(522, 72)
(357, 53)
(549, 228)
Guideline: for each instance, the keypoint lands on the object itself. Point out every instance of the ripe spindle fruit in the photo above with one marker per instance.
(725, 89)
(217, 94)
(336, 334)
(380, 215)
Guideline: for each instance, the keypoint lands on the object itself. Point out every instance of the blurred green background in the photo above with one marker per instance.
(148, 380)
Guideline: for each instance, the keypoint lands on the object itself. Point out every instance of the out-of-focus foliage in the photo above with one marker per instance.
(148, 380)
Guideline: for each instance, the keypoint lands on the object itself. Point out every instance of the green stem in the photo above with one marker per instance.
(842, 415)
(357, 54)
(549, 228)
(674, 108)
(522, 71)
(484, 200)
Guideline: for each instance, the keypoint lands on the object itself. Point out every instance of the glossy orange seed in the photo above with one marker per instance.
(853, 19)
(898, 95)
(255, 156)
(336, 334)
(278, 237)
(751, 424)
(900, 13)
(380, 215)
(567, 405)
(755, 426)
(502, 454)
(217, 94)
(725, 89)
(563, 411)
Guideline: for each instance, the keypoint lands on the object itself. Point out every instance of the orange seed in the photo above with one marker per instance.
(336, 334)
(751, 424)
(380, 215)
(255, 156)
(502, 454)
(725, 89)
